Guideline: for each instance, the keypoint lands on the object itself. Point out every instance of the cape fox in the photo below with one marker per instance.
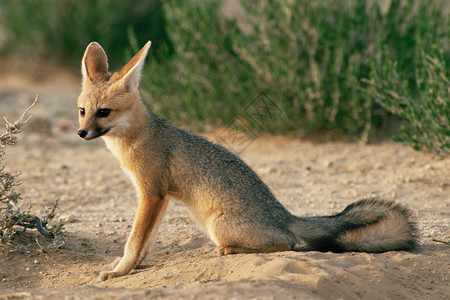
(236, 209)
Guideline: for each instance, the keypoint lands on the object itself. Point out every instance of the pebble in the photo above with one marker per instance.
(68, 219)
(327, 164)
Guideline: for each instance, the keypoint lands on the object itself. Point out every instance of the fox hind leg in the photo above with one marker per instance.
(233, 236)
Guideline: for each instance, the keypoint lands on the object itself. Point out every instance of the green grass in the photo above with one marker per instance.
(312, 58)
(422, 100)
(62, 29)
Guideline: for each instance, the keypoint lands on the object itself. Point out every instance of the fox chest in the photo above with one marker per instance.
(122, 157)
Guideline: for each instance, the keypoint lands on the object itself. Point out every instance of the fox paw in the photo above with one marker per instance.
(225, 251)
(105, 275)
(115, 262)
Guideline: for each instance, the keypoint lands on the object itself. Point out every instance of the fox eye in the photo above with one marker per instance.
(103, 113)
(82, 112)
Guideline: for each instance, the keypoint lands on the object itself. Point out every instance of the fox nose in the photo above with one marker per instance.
(82, 133)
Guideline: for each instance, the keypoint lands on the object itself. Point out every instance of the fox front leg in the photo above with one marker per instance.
(149, 215)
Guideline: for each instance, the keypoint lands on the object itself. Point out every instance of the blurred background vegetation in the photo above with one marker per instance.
(346, 66)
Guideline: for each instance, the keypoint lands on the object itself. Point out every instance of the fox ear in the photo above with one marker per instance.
(130, 75)
(94, 65)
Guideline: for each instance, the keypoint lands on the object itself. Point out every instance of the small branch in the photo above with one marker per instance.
(42, 230)
(37, 242)
(14, 128)
(20, 120)
(441, 241)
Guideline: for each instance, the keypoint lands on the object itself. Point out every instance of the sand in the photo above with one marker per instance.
(315, 176)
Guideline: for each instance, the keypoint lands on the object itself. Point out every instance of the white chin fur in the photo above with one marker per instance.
(120, 125)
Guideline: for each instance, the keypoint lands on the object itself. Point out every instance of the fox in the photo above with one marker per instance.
(235, 208)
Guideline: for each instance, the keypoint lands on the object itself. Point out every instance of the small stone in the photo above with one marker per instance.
(327, 164)
(68, 219)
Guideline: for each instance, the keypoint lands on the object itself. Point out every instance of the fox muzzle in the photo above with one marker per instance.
(86, 135)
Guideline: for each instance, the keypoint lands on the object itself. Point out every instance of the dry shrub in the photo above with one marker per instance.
(12, 218)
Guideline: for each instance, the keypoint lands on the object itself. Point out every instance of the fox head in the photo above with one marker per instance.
(106, 99)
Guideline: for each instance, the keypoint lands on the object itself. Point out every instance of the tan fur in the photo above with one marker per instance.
(236, 209)
(366, 238)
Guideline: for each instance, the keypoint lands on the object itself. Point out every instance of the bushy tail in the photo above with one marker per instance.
(368, 225)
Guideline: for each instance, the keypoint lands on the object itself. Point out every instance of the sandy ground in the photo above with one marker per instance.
(310, 177)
